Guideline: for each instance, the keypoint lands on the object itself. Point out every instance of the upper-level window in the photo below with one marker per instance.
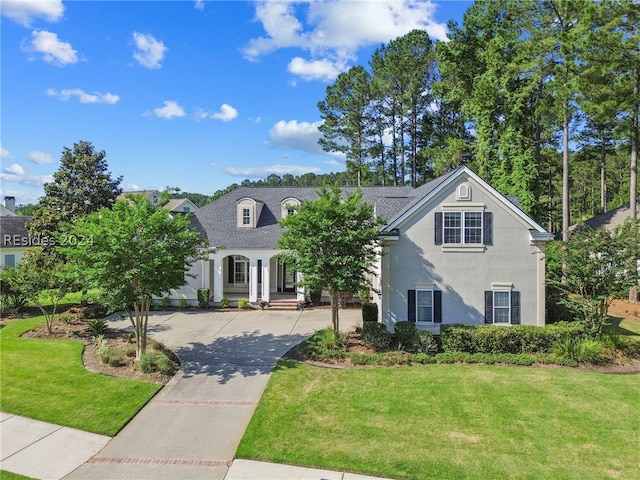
(463, 228)
(246, 216)
(248, 212)
(289, 206)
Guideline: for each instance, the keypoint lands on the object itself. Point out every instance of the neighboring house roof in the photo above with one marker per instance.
(218, 220)
(13, 231)
(146, 193)
(176, 205)
(5, 212)
(609, 220)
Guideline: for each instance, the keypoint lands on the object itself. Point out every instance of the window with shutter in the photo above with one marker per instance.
(502, 307)
(463, 228)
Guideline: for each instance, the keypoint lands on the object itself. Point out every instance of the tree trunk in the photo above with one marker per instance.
(634, 151)
(333, 293)
(603, 173)
(565, 176)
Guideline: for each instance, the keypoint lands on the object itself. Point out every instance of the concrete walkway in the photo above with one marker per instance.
(192, 427)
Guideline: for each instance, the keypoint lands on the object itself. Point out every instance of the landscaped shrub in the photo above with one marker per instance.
(225, 302)
(427, 342)
(11, 297)
(97, 326)
(182, 303)
(456, 338)
(406, 336)
(369, 312)
(158, 362)
(324, 345)
(587, 351)
(203, 298)
(375, 335)
(243, 303)
(65, 318)
(622, 344)
(165, 302)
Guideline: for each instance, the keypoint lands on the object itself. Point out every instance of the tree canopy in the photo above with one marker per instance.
(131, 253)
(332, 240)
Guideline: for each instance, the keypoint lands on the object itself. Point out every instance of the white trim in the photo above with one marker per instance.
(501, 286)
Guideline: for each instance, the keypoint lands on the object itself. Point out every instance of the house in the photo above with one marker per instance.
(609, 220)
(152, 195)
(452, 251)
(180, 205)
(15, 239)
(9, 207)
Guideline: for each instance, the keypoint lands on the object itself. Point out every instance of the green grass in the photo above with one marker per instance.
(450, 421)
(4, 475)
(46, 380)
(624, 326)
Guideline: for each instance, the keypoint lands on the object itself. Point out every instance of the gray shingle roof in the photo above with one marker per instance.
(217, 220)
(611, 219)
(13, 231)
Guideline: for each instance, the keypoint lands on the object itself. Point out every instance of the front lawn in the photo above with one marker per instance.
(449, 421)
(46, 380)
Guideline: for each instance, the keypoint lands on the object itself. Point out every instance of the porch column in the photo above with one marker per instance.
(299, 289)
(253, 280)
(218, 279)
(266, 279)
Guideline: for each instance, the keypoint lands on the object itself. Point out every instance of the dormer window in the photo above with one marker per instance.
(248, 212)
(289, 206)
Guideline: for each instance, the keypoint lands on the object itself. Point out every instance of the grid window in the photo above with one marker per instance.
(452, 227)
(502, 307)
(473, 227)
(424, 305)
(246, 216)
(241, 269)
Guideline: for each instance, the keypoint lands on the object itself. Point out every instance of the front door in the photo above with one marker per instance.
(288, 278)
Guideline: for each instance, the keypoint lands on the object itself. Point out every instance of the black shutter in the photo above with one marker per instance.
(515, 308)
(488, 306)
(438, 228)
(487, 228)
(231, 274)
(411, 308)
(437, 306)
(259, 271)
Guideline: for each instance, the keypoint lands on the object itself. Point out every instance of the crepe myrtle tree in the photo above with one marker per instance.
(131, 253)
(332, 240)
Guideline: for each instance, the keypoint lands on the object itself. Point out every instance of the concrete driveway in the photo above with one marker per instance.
(191, 429)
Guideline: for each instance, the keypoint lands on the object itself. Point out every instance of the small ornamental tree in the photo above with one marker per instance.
(132, 253)
(332, 240)
(44, 280)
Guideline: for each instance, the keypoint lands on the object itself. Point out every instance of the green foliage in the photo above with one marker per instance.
(44, 280)
(82, 185)
(243, 303)
(512, 340)
(427, 343)
(225, 302)
(138, 252)
(203, 298)
(369, 312)
(375, 335)
(65, 318)
(97, 326)
(324, 345)
(406, 336)
(165, 302)
(182, 303)
(12, 299)
(588, 351)
(330, 240)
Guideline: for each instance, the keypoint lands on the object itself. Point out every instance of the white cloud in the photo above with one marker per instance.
(30, 180)
(53, 50)
(296, 135)
(14, 169)
(332, 31)
(170, 110)
(149, 52)
(334, 163)
(131, 187)
(4, 153)
(40, 158)
(262, 172)
(24, 11)
(316, 69)
(199, 5)
(84, 97)
(226, 113)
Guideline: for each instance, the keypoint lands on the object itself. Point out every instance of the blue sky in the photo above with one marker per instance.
(190, 94)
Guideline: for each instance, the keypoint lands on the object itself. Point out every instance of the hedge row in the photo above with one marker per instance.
(514, 340)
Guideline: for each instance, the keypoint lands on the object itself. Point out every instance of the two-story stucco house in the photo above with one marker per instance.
(452, 251)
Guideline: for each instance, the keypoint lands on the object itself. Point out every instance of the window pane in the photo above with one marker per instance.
(473, 227)
(246, 216)
(501, 315)
(424, 306)
(501, 307)
(452, 227)
(501, 299)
